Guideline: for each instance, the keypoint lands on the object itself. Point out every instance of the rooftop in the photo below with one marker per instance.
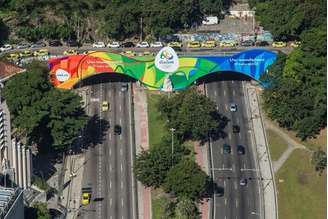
(7, 197)
(8, 69)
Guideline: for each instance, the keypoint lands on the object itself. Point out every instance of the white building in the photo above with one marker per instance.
(241, 11)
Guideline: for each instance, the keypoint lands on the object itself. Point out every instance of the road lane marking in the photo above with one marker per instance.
(110, 201)
(120, 137)
(229, 135)
(235, 184)
(122, 202)
(233, 167)
(226, 107)
(231, 82)
(121, 167)
(121, 184)
(120, 121)
(110, 184)
(110, 151)
(120, 108)
(230, 169)
(215, 93)
(225, 201)
(224, 92)
(110, 167)
(110, 137)
(233, 93)
(224, 183)
(239, 135)
(223, 166)
(121, 151)
(236, 203)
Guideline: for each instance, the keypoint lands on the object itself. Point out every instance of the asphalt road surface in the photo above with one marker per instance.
(237, 201)
(108, 168)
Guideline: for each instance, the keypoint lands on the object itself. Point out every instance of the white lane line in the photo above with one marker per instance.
(215, 93)
(229, 135)
(224, 183)
(110, 151)
(110, 167)
(231, 82)
(233, 93)
(121, 184)
(122, 202)
(120, 121)
(120, 137)
(236, 203)
(110, 201)
(121, 151)
(221, 150)
(235, 184)
(121, 168)
(110, 184)
(244, 165)
(120, 108)
(110, 137)
(224, 92)
(233, 167)
(239, 135)
(225, 201)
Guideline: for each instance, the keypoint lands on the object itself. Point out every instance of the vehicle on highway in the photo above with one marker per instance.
(98, 45)
(209, 44)
(279, 44)
(175, 44)
(226, 149)
(143, 44)
(146, 53)
(295, 44)
(38, 45)
(23, 46)
(86, 196)
(6, 47)
(128, 53)
(117, 130)
(124, 87)
(104, 106)
(235, 129)
(70, 52)
(262, 43)
(243, 182)
(233, 107)
(55, 43)
(227, 43)
(128, 45)
(240, 149)
(193, 44)
(41, 52)
(113, 44)
(157, 44)
(247, 43)
(72, 43)
(26, 53)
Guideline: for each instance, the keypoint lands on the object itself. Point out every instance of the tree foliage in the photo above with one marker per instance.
(319, 159)
(38, 211)
(186, 209)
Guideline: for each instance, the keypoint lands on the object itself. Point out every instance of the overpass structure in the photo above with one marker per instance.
(67, 71)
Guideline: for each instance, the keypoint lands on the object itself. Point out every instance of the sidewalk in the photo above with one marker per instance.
(142, 143)
(263, 156)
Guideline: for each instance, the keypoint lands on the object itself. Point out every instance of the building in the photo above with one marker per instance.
(11, 203)
(242, 11)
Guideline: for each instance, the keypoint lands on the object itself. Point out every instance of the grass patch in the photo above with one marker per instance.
(302, 194)
(277, 145)
(159, 201)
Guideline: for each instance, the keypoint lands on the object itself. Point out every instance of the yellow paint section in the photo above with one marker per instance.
(187, 62)
(149, 75)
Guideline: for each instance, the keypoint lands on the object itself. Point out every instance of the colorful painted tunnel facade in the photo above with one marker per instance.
(67, 71)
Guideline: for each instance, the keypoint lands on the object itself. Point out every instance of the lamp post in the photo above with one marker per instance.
(172, 151)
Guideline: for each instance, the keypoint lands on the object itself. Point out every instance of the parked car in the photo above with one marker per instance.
(72, 43)
(295, 44)
(243, 182)
(209, 44)
(279, 44)
(233, 107)
(6, 47)
(143, 44)
(41, 52)
(98, 45)
(104, 106)
(113, 44)
(124, 87)
(26, 53)
(175, 44)
(157, 44)
(128, 45)
(193, 44)
(247, 43)
(55, 43)
(228, 43)
(23, 46)
(226, 149)
(262, 43)
(12, 57)
(117, 130)
(70, 52)
(38, 45)
(128, 53)
(240, 149)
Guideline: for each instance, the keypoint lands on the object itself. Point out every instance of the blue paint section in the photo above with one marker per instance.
(252, 63)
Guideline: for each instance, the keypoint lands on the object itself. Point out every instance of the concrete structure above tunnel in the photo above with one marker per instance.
(67, 71)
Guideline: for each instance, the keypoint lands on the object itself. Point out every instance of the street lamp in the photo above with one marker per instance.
(172, 132)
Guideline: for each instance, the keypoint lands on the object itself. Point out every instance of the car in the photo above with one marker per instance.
(23, 46)
(209, 44)
(128, 45)
(70, 52)
(279, 44)
(295, 44)
(228, 43)
(175, 44)
(226, 149)
(26, 53)
(88, 52)
(193, 44)
(128, 53)
(113, 44)
(247, 43)
(262, 43)
(124, 87)
(41, 52)
(235, 129)
(55, 43)
(38, 45)
(243, 182)
(6, 47)
(156, 44)
(240, 149)
(143, 44)
(233, 107)
(13, 57)
(117, 130)
(104, 106)
(86, 196)
(98, 45)
(146, 53)
(72, 43)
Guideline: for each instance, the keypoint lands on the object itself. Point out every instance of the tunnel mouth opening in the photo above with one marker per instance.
(224, 76)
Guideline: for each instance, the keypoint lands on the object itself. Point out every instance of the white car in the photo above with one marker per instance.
(156, 44)
(99, 45)
(6, 47)
(143, 45)
(233, 107)
(113, 45)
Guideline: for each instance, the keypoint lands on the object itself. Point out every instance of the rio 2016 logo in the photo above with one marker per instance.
(166, 55)
(167, 60)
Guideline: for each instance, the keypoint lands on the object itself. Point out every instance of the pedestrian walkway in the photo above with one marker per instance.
(142, 143)
(263, 156)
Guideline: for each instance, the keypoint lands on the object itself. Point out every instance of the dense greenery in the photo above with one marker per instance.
(296, 93)
(186, 209)
(45, 115)
(38, 211)
(319, 159)
(99, 19)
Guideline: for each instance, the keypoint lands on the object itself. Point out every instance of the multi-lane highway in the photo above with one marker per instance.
(108, 167)
(238, 201)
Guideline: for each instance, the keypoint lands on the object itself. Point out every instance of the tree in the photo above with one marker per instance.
(319, 159)
(186, 209)
(38, 211)
(186, 180)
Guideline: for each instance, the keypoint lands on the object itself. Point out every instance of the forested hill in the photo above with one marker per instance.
(297, 97)
(101, 19)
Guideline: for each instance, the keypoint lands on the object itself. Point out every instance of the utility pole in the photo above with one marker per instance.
(141, 29)
(172, 148)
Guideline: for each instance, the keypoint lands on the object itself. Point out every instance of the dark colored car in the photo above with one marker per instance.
(117, 130)
(262, 43)
(240, 149)
(55, 43)
(247, 43)
(38, 45)
(128, 45)
(72, 43)
(243, 182)
(226, 149)
(235, 129)
(23, 46)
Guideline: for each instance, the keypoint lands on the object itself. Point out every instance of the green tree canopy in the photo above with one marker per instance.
(186, 209)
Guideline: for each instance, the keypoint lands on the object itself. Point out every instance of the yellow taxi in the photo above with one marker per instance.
(295, 44)
(41, 52)
(209, 44)
(227, 43)
(70, 52)
(12, 56)
(279, 44)
(128, 53)
(174, 44)
(86, 197)
(26, 53)
(146, 53)
(104, 106)
(193, 44)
